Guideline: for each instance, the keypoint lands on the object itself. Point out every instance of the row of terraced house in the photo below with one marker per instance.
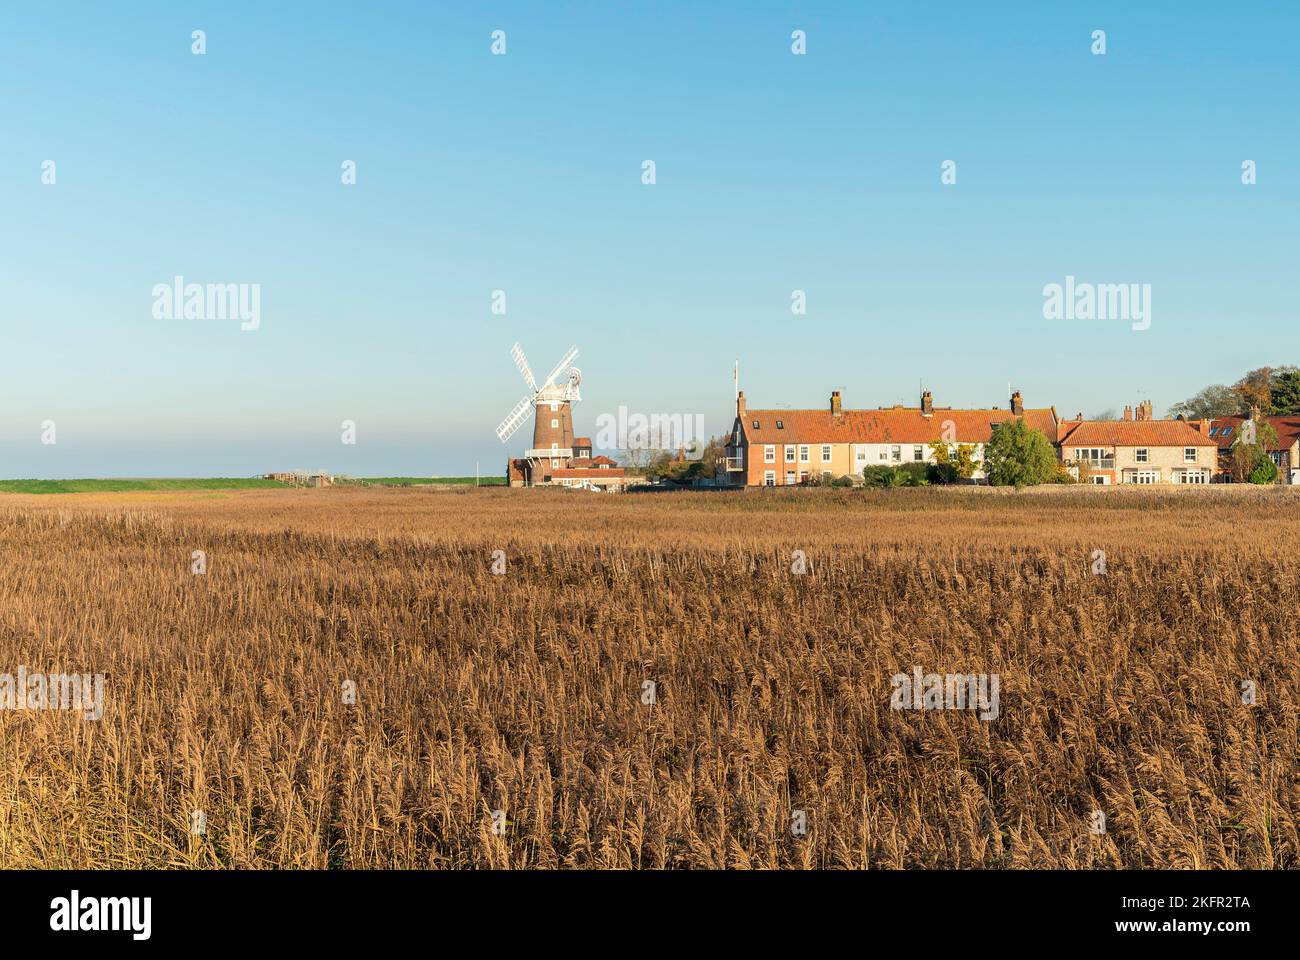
(777, 447)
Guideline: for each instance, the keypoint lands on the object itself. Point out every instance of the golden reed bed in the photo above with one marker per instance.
(501, 720)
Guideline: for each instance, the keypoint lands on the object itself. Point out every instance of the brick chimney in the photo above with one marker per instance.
(740, 404)
(1128, 412)
(927, 404)
(1017, 405)
(1144, 410)
(836, 409)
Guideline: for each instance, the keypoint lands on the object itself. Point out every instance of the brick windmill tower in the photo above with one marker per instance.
(552, 405)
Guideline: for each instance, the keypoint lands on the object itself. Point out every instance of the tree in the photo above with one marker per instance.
(1255, 390)
(1214, 401)
(1285, 391)
(905, 475)
(1108, 414)
(953, 461)
(1018, 455)
(1251, 462)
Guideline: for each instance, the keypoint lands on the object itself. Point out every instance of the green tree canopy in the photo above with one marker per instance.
(1214, 401)
(1285, 391)
(1018, 455)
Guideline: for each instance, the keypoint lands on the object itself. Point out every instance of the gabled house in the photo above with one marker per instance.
(1285, 453)
(1139, 449)
(771, 447)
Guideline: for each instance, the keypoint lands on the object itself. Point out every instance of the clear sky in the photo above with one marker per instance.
(523, 172)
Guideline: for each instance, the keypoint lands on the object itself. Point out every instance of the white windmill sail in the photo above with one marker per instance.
(548, 392)
(517, 416)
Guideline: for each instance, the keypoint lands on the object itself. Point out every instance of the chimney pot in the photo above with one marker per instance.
(927, 404)
(1017, 404)
(836, 408)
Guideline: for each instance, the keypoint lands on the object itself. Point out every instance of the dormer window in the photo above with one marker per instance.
(780, 424)
(755, 424)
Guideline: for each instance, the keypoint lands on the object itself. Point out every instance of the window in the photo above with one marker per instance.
(1278, 457)
(1225, 432)
(1189, 454)
(918, 452)
(1214, 431)
(1145, 476)
(884, 453)
(789, 478)
(826, 453)
(896, 453)
(803, 476)
(780, 424)
(1193, 476)
(1099, 481)
(769, 478)
(789, 454)
(555, 424)
(755, 424)
(769, 453)
(803, 454)
(554, 446)
(555, 463)
(826, 474)
(1143, 455)
(554, 407)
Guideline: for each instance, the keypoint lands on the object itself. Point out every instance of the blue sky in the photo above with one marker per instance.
(523, 173)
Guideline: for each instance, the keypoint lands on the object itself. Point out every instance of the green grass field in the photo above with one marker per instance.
(113, 486)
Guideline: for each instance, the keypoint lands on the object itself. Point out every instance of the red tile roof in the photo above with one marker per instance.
(1136, 433)
(585, 473)
(1287, 428)
(889, 425)
(601, 458)
(582, 441)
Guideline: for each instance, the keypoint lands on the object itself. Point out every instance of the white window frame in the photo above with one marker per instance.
(791, 478)
(896, 453)
(803, 453)
(1192, 458)
(826, 453)
(769, 453)
(789, 453)
(1142, 455)
(918, 453)
(769, 478)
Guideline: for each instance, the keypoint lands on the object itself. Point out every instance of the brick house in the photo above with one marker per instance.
(1285, 453)
(1139, 449)
(580, 470)
(787, 447)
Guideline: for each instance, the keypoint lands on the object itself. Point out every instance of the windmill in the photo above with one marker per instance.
(553, 403)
